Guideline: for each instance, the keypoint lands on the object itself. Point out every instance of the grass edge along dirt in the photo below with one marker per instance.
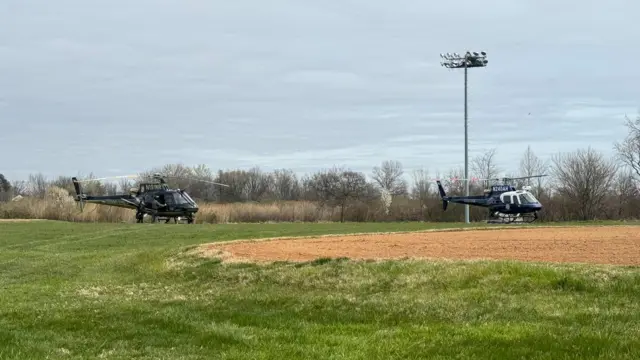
(73, 291)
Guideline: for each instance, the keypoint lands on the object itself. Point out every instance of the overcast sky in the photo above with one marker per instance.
(116, 87)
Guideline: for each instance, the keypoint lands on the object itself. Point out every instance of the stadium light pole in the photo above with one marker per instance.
(466, 61)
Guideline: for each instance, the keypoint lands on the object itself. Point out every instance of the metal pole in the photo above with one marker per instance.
(456, 61)
(466, 147)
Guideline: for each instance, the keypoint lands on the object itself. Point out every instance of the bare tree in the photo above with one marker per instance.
(453, 183)
(5, 189)
(307, 189)
(351, 186)
(5, 185)
(421, 190)
(584, 178)
(258, 183)
(110, 188)
(37, 185)
(199, 184)
(19, 187)
(389, 177)
(285, 185)
(339, 187)
(629, 149)
(125, 185)
(237, 181)
(251, 185)
(626, 194)
(485, 167)
(421, 184)
(64, 182)
(531, 165)
(202, 171)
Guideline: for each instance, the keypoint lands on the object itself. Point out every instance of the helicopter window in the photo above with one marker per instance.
(186, 196)
(528, 199)
(169, 199)
(506, 199)
(180, 199)
(175, 198)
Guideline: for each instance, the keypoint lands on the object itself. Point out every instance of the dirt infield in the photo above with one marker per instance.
(619, 245)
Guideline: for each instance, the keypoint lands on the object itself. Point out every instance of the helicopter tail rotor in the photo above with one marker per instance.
(443, 195)
(79, 195)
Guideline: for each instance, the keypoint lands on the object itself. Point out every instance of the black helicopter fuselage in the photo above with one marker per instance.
(171, 202)
(154, 199)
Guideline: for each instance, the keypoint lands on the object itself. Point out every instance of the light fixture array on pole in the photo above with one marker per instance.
(457, 61)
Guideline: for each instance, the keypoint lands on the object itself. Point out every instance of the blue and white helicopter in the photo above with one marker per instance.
(505, 203)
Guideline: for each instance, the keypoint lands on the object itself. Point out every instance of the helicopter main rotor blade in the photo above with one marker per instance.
(212, 182)
(153, 176)
(109, 177)
(195, 179)
(523, 177)
(462, 179)
(473, 179)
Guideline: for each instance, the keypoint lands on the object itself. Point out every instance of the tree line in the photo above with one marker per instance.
(582, 185)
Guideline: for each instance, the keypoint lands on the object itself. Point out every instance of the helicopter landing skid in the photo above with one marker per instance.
(167, 219)
(177, 219)
(500, 218)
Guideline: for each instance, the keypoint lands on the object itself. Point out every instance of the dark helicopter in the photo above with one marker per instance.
(505, 203)
(154, 198)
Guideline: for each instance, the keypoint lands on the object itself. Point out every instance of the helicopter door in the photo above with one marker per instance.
(516, 200)
(148, 200)
(168, 199)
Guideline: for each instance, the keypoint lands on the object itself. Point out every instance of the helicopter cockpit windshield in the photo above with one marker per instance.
(186, 196)
(527, 198)
(175, 198)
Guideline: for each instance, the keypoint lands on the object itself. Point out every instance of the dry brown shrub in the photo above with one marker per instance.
(57, 206)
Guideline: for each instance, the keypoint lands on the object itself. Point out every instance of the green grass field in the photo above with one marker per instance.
(125, 291)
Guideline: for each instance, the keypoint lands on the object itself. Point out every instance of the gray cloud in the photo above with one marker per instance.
(93, 86)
